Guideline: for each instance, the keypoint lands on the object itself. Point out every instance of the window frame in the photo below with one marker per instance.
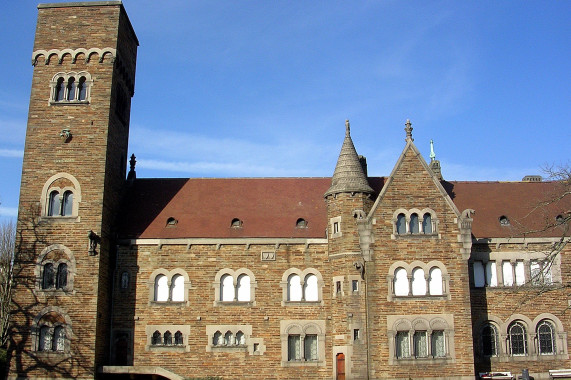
(401, 272)
(236, 277)
(48, 214)
(285, 284)
(61, 86)
(161, 343)
(66, 258)
(170, 287)
(44, 324)
(413, 223)
(306, 331)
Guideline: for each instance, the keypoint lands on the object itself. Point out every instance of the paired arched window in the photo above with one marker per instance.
(234, 286)
(61, 196)
(416, 338)
(301, 286)
(303, 343)
(407, 282)
(71, 87)
(55, 268)
(51, 331)
(414, 222)
(60, 205)
(168, 287)
(165, 292)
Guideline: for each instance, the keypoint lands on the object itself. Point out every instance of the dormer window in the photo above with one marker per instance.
(504, 221)
(171, 222)
(559, 219)
(236, 223)
(301, 223)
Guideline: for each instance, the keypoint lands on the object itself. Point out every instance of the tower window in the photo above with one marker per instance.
(70, 87)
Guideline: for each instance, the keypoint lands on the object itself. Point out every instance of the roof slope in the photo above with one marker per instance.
(205, 208)
(270, 207)
(520, 202)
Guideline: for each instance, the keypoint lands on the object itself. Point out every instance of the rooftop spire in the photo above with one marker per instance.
(408, 130)
(432, 154)
(348, 176)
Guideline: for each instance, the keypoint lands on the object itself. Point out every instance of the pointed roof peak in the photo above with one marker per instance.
(349, 176)
(408, 130)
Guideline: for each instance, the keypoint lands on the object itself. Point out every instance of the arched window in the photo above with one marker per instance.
(420, 344)
(59, 90)
(427, 223)
(61, 277)
(435, 284)
(418, 282)
(58, 343)
(71, 86)
(401, 282)
(402, 344)
(310, 290)
(294, 291)
(414, 223)
(54, 204)
(240, 340)
(401, 224)
(161, 288)
(48, 276)
(67, 206)
(546, 338)
(490, 340)
(125, 280)
(217, 339)
(156, 339)
(517, 339)
(226, 288)
(45, 339)
(228, 338)
(438, 344)
(177, 288)
(82, 88)
(243, 288)
(167, 338)
(178, 338)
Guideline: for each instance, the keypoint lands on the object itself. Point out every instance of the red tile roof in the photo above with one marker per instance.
(270, 207)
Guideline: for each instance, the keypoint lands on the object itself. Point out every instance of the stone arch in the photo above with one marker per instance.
(48, 188)
(41, 261)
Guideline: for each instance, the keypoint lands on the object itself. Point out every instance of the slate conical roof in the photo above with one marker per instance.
(348, 176)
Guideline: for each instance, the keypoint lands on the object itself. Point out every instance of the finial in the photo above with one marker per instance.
(132, 162)
(132, 174)
(408, 130)
(347, 128)
(432, 154)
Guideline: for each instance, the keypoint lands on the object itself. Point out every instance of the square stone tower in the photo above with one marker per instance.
(72, 179)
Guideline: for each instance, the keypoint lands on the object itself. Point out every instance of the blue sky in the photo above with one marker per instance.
(262, 88)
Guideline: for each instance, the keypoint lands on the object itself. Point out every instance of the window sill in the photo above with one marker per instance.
(59, 219)
(442, 297)
(235, 303)
(69, 102)
(237, 348)
(499, 288)
(54, 292)
(52, 357)
(522, 358)
(419, 236)
(169, 348)
(168, 303)
(302, 303)
(421, 361)
(303, 363)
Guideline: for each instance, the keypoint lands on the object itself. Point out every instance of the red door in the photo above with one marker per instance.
(340, 358)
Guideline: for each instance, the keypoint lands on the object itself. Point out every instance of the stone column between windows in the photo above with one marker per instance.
(527, 270)
(513, 263)
(410, 278)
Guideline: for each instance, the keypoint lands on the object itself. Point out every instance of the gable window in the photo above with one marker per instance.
(401, 224)
(427, 223)
(71, 87)
(517, 339)
(414, 224)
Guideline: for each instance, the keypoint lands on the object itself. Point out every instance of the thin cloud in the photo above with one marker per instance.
(11, 153)
(8, 211)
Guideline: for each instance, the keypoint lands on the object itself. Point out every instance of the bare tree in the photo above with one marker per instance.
(7, 239)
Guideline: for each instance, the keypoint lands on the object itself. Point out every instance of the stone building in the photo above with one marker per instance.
(348, 277)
